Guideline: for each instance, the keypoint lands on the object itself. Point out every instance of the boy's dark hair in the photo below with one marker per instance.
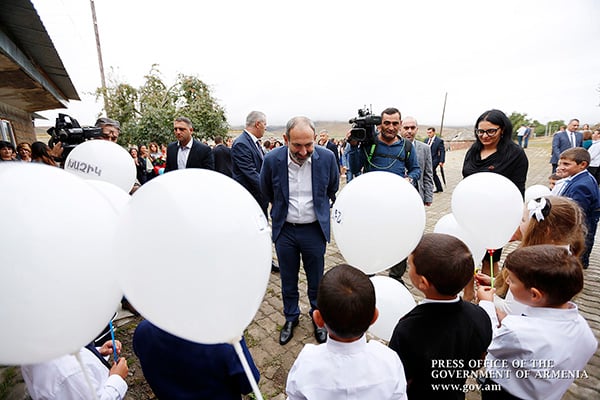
(548, 268)
(554, 177)
(445, 261)
(577, 154)
(346, 301)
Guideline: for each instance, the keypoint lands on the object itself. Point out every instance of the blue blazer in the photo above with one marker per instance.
(200, 156)
(246, 164)
(561, 142)
(438, 152)
(583, 188)
(274, 185)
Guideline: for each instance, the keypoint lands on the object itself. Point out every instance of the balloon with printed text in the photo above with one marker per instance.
(102, 160)
(377, 220)
(58, 285)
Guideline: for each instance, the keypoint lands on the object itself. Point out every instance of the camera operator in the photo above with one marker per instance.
(110, 129)
(387, 151)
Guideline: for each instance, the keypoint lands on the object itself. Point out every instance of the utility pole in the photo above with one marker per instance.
(443, 113)
(100, 63)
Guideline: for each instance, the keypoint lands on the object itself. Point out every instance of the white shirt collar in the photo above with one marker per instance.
(254, 138)
(426, 301)
(346, 347)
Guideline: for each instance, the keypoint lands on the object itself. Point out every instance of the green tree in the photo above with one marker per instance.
(146, 114)
(518, 119)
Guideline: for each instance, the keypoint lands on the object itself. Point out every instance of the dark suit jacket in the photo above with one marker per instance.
(246, 164)
(438, 152)
(222, 156)
(179, 369)
(274, 185)
(561, 142)
(459, 332)
(583, 188)
(331, 146)
(200, 156)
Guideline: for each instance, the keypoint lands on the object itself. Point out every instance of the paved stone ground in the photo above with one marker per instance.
(274, 361)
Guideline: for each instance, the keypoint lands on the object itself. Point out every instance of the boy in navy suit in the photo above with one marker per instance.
(582, 187)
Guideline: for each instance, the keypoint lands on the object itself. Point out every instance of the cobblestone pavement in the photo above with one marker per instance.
(274, 361)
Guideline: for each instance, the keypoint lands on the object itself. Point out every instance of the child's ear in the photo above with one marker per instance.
(375, 316)
(318, 318)
(537, 296)
(422, 283)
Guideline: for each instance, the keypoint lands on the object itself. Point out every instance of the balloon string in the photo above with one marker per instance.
(249, 374)
(114, 343)
(87, 376)
(491, 252)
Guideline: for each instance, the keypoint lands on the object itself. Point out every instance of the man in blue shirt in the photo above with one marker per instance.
(388, 152)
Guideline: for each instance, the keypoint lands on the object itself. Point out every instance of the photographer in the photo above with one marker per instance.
(386, 151)
(110, 129)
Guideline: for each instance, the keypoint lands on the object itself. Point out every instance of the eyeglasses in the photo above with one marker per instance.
(409, 128)
(489, 132)
(112, 138)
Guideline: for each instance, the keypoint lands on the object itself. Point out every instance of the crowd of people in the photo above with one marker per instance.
(509, 319)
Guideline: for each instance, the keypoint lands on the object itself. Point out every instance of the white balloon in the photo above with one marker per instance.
(102, 160)
(393, 301)
(535, 192)
(58, 286)
(378, 219)
(116, 196)
(489, 207)
(207, 275)
(448, 225)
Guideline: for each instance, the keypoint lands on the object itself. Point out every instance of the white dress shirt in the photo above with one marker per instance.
(300, 207)
(183, 152)
(63, 379)
(357, 370)
(550, 344)
(594, 151)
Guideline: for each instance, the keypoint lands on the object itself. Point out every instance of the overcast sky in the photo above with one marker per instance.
(325, 59)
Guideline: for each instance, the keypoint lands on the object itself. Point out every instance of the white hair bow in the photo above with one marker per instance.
(535, 208)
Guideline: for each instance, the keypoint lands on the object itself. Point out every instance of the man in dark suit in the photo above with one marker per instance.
(222, 156)
(300, 181)
(565, 139)
(438, 156)
(187, 152)
(247, 156)
(324, 139)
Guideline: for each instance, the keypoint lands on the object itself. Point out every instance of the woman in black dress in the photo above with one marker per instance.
(495, 151)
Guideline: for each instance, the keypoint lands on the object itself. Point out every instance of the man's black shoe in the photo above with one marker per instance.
(320, 333)
(287, 332)
(437, 191)
(274, 267)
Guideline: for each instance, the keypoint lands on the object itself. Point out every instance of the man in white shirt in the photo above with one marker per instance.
(300, 181)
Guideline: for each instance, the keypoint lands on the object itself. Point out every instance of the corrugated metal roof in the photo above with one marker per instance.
(20, 22)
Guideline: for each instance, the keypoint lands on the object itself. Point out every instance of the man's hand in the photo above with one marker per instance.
(441, 164)
(56, 151)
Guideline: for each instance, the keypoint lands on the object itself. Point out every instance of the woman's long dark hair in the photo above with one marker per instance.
(39, 152)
